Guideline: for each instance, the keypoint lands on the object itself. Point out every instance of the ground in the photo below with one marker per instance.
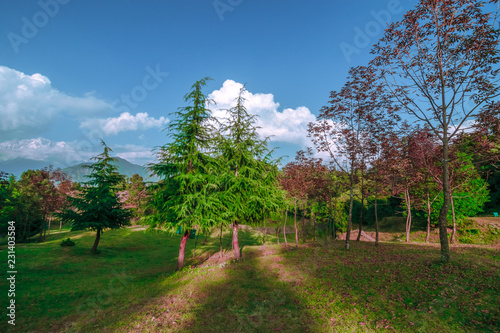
(132, 286)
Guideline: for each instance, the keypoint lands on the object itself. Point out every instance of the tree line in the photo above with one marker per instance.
(419, 122)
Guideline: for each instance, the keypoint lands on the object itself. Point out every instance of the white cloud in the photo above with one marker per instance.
(60, 153)
(290, 125)
(63, 154)
(29, 103)
(125, 122)
(135, 154)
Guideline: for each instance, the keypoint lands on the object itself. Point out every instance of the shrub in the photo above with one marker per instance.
(466, 239)
(67, 242)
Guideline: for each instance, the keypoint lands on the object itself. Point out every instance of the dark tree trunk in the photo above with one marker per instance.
(220, 241)
(443, 213)
(182, 250)
(24, 234)
(313, 218)
(454, 232)
(264, 233)
(96, 242)
(284, 227)
(41, 230)
(408, 217)
(427, 237)
(334, 232)
(50, 220)
(304, 222)
(329, 226)
(362, 208)
(235, 241)
(29, 231)
(194, 250)
(295, 225)
(349, 221)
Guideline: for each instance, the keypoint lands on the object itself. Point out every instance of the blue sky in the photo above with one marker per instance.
(74, 70)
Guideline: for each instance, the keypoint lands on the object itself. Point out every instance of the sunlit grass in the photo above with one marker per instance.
(132, 286)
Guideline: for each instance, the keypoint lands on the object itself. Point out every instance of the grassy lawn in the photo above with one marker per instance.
(132, 286)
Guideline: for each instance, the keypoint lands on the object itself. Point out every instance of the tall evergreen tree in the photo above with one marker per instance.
(98, 207)
(183, 197)
(249, 177)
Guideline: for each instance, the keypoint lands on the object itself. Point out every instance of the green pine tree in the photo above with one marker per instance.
(183, 197)
(248, 176)
(98, 207)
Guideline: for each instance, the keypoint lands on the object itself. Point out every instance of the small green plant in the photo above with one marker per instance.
(67, 242)
(494, 229)
(466, 239)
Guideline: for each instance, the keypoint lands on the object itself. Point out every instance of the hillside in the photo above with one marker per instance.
(18, 165)
(132, 286)
(78, 172)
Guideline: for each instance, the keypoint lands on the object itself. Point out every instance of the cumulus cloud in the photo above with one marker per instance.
(137, 154)
(29, 103)
(289, 125)
(60, 153)
(124, 122)
(63, 154)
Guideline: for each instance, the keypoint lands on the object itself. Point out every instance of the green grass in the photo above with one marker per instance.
(132, 286)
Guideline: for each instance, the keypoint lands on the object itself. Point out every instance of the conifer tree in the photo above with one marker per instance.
(184, 196)
(98, 207)
(249, 176)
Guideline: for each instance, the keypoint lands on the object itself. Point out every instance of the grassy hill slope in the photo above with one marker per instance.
(132, 286)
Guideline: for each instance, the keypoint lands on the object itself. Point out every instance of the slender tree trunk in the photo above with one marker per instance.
(428, 236)
(295, 225)
(443, 213)
(96, 242)
(349, 220)
(42, 229)
(220, 241)
(362, 208)
(304, 222)
(284, 227)
(206, 238)
(329, 227)
(408, 218)
(454, 232)
(313, 218)
(182, 250)
(195, 241)
(24, 234)
(264, 232)
(376, 219)
(235, 241)
(29, 231)
(50, 220)
(278, 233)
(334, 232)
(60, 225)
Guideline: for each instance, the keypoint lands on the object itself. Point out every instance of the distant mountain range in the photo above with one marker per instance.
(18, 165)
(77, 172)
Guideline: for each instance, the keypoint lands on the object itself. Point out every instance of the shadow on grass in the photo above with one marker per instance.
(397, 286)
(248, 297)
(132, 286)
(148, 286)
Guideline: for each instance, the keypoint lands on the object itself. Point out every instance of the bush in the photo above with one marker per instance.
(67, 242)
(466, 239)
